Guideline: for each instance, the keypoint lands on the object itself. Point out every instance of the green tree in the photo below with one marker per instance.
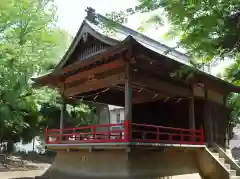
(30, 43)
(207, 30)
(203, 27)
(77, 113)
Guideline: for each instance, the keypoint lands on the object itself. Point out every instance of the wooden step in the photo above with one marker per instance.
(215, 154)
(228, 166)
(232, 172)
(221, 160)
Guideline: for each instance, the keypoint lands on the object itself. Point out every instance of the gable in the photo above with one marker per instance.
(83, 43)
(87, 47)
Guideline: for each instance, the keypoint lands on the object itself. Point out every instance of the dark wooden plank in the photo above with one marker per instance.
(95, 85)
(143, 97)
(95, 77)
(99, 69)
(158, 85)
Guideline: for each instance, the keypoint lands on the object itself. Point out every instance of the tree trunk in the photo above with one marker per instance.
(10, 147)
(33, 146)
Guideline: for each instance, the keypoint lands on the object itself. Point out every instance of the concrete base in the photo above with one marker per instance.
(138, 163)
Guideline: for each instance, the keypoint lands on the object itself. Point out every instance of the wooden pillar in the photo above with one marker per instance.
(63, 106)
(128, 98)
(63, 110)
(192, 122)
(208, 128)
(227, 131)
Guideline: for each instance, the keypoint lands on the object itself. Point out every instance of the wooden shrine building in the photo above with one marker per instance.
(131, 70)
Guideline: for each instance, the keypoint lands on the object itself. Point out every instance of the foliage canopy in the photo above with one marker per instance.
(209, 31)
(30, 43)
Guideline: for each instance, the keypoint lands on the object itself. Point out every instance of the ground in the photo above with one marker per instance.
(21, 174)
(16, 168)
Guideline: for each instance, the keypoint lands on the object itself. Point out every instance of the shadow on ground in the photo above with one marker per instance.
(16, 164)
(24, 178)
(35, 157)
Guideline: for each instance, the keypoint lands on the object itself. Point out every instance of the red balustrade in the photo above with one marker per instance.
(168, 135)
(93, 134)
(140, 133)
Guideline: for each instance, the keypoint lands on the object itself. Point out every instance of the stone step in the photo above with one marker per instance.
(228, 166)
(232, 172)
(215, 154)
(221, 160)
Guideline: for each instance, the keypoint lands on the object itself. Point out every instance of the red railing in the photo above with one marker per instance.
(140, 133)
(93, 133)
(161, 134)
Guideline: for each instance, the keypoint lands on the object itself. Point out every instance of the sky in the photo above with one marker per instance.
(72, 12)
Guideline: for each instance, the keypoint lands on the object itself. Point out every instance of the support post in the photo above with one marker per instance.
(128, 98)
(46, 136)
(192, 125)
(192, 114)
(227, 134)
(207, 120)
(63, 110)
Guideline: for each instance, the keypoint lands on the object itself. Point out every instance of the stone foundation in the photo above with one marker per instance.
(141, 164)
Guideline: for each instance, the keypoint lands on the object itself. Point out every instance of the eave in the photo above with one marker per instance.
(57, 77)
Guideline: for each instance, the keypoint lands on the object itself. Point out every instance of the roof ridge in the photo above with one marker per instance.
(95, 18)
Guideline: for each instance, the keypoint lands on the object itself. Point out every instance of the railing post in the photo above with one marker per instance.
(57, 140)
(46, 136)
(74, 131)
(94, 132)
(170, 137)
(60, 136)
(202, 135)
(143, 135)
(126, 130)
(182, 138)
(158, 137)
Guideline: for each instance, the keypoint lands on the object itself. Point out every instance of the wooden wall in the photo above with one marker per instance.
(170, 113)
(216, 118)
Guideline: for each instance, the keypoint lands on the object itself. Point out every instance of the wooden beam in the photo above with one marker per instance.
(158, 85)
(95, 85)
(140, 95)
(100, 69)
(143, 97)
(95, 77)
